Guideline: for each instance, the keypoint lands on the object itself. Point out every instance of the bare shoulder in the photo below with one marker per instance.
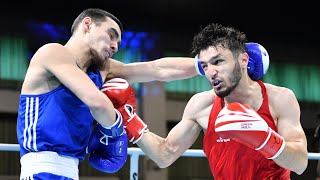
(199, 104)
(203, 98)
(51, 55)
(49, 52)
(39, 78)
(279, 92)
(280, 98)
(51, 47)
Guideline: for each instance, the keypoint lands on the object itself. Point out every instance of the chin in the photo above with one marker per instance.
(223, 93)
(97, 63)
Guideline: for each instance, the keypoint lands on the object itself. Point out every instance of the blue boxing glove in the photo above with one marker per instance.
(198, 66)
(258, 64)
(108, 147)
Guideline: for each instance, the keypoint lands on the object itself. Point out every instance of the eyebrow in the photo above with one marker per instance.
(212, 59)
(113, 30)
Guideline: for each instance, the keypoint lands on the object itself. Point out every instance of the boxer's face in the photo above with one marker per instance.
(104, 40)
(222, 70)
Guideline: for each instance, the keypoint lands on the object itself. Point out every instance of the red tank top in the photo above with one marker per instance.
(230, 160)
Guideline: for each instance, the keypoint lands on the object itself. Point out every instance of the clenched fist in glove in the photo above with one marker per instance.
(241, 123)
(108, 146)
(123, 98)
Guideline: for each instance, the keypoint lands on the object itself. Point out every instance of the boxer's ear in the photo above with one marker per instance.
(86, 24)
(244, 60)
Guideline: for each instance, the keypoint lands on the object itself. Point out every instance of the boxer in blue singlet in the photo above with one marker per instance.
(61, 98)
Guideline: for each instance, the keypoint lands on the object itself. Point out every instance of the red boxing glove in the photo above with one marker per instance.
(241, 123)
(123, 98)
(119, 92)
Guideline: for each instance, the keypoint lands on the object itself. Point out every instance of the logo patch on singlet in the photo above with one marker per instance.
(222, 140)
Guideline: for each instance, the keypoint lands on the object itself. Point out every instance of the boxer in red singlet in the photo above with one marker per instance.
(252, 129)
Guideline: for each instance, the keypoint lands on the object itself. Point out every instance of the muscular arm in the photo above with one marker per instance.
(295, 154)
(59, 62)
(164, 151)
(164, 69)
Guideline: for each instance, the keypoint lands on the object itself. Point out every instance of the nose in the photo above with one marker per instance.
(114, 46)
(212, 70)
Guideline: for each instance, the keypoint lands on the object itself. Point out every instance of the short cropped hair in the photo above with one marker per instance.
(216, 34)
(97, 15)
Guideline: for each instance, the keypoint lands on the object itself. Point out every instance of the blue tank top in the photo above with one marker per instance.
(55, 121)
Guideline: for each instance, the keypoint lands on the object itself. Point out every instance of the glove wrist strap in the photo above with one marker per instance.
(116, 129)
(273, 145)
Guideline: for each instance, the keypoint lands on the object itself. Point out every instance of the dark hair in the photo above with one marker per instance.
(97, 15)
(216, 34)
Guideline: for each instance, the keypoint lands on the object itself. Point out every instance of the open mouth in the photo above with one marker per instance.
(216, 83)
(107, 54)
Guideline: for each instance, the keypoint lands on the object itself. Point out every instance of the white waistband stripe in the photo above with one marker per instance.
(51, 162)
